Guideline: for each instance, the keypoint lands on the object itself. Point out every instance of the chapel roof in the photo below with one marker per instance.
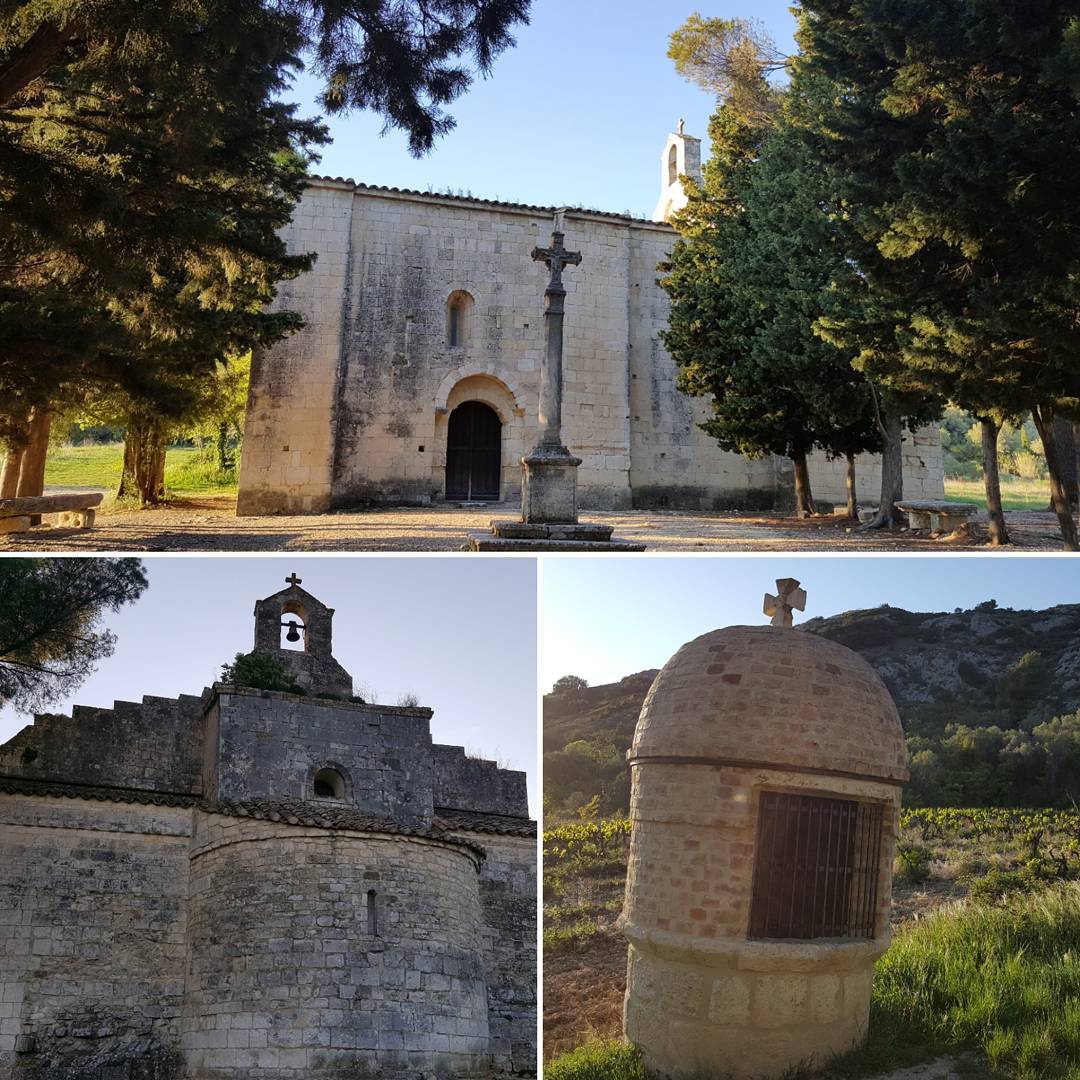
(356, 185)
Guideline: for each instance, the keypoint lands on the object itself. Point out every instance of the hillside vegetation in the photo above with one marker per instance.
(989, 699)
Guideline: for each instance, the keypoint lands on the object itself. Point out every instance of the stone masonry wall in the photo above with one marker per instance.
(272, 744)
(508, 902)
(466, 783)
(288, 451)
(289, 977)
(155, 744)
(92, 951)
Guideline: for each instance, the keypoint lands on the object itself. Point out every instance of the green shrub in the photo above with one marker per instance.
(912, 863)
(260, 673)
(599, 1060)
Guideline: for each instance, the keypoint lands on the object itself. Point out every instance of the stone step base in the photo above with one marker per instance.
(489, 542)
(519, 530)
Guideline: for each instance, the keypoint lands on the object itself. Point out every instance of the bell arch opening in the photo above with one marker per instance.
(294, 621)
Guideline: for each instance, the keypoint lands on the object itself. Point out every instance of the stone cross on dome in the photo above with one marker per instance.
(292, 579)
(789, 598)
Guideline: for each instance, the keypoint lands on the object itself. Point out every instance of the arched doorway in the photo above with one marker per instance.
(473, 452)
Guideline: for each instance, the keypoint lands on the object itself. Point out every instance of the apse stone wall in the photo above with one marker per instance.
(508, 902)
(354, 408)
(290, 978)
(92, 938)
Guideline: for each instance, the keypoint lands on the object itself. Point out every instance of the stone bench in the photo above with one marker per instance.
(71, 509)
(937, 516)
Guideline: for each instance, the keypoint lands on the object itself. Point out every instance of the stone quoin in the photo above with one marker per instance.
(767, 766)
(263, 885)
(417, 376)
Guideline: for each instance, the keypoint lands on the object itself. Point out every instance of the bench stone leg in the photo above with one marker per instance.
(14, 524)
(918, 519)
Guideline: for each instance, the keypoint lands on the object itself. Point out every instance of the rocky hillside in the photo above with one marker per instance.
(1003, 671)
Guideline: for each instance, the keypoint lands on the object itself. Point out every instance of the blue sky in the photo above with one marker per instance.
(575, 114)
(606, 618)
(459, 632)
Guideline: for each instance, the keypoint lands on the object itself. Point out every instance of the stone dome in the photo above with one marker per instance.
(764, 696)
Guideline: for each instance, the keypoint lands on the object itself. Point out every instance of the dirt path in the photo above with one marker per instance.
(209, 524)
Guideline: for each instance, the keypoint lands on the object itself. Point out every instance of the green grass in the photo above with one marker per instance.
(99, 466)
(1016, 494)
(1000, 982)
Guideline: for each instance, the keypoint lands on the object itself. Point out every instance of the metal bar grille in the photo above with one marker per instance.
(816, 868)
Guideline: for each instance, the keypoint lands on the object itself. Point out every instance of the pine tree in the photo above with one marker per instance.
(747, 278)
(954, 145)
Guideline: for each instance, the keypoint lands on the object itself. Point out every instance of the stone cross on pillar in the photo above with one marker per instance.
(292, 579)
(790, 598)
(556, 257)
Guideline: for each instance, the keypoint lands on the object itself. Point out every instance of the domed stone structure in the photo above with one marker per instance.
(767, 767)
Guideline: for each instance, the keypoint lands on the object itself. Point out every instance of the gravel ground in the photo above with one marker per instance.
(209, 524)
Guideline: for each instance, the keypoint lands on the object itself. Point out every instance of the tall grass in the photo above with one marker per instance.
(1000, 981)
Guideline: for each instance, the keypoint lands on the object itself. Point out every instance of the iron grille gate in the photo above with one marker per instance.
(816, 867)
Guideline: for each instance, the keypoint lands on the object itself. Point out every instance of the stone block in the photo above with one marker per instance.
(14, 524)
(549, 487)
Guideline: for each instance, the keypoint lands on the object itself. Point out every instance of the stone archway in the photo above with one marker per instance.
(483, 392)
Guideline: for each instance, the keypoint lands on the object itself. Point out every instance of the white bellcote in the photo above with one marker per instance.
(681, 157)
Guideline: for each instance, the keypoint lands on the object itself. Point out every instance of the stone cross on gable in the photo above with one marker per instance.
(789, 598)
(556, 258)
(292, 579)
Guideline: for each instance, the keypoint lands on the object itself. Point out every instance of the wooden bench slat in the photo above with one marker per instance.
(49, 504)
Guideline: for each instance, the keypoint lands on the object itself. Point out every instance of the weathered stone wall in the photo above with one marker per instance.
(155, 744)
(268, 743)
(354, 409)
(289, 977)
(924, 471)
(92, 949)
(288, 451)
(508, 902)
(467, 783)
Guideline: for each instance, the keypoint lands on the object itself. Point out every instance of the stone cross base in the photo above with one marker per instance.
(549, 487)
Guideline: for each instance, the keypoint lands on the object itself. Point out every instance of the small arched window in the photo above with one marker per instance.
(458, 318)
(329, 784)
(672, 165)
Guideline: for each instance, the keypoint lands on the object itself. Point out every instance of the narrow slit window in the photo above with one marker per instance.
(372, 914)
(816, 867)
(458, 312)
(455, 326)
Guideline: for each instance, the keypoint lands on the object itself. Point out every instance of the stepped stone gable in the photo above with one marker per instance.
(766, 771)
(420, 303)
(179, 900)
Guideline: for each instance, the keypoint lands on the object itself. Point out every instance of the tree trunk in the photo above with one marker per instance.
(852, 501)
(992, 481)
(9, 477)
(804, 497)
(1059, 496)
(32, 468)
(143, 473)
(29, 61)
(1065, 442)
(223, 446)
(890, 424)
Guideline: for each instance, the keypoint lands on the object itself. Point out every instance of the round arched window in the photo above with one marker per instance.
(329, 784)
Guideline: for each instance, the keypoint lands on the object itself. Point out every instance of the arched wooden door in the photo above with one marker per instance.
(473, 452)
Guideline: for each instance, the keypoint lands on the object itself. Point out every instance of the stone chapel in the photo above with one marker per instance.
(416, 377)
(263, 885)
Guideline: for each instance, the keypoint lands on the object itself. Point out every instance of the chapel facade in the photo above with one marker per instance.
(263, 884)
(416, 377)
